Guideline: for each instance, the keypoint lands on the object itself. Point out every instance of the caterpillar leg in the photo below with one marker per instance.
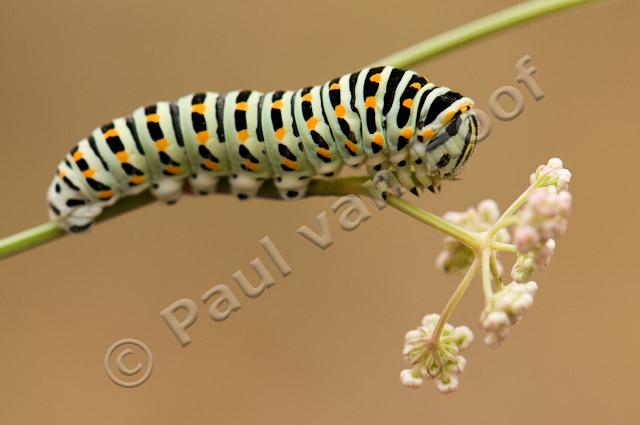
(376, 163)
(400, 163)
(167, 190)
(385, 183)
(292, 186)
(203, 183)
(244, 186)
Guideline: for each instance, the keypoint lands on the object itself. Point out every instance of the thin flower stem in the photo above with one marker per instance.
(505, 223)
(501, 246)
(495, 272)
(417, 53)
(506, 216)
(486, 274)
(455, 297)
(470, 239)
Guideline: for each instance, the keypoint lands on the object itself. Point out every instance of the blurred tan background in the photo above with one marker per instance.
(323, 346)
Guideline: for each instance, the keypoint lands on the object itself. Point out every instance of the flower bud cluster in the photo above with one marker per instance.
(552, 174)
(504, 309)
(456, 255)
(541, 221)
(438, 360)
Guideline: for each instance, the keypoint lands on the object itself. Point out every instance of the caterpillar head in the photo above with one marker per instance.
(446, 135)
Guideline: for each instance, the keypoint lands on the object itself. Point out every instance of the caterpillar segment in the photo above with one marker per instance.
(285, 150)
(386, 118)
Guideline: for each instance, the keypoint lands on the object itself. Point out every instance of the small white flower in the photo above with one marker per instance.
(523, 268)
(525, 237)
(555, 163)
(489, 211)
(542, 257)
(439, 360)
(463, 336)
(505, 309)
(447, 383)
(409, 380)
(542, 220)
(552, 175)
(430, 319)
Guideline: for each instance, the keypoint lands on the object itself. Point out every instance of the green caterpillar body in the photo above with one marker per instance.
(384, 117)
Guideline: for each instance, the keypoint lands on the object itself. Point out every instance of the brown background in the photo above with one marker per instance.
(322, 346)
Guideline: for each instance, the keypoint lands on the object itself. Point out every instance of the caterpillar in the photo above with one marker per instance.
(385, 117)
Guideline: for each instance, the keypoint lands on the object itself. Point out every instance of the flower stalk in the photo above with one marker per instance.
(474, 239)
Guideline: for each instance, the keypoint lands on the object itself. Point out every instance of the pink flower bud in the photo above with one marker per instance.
(542, 257)
(525, 238)
(564, 203)
(488, 209)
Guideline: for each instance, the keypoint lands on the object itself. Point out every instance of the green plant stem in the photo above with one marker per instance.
(486, 274)
(501, 246)
(419, 52)
(468, 238)
(455, 297)
(475, 30)
(506, 215)
(495, 272)
(49, 231)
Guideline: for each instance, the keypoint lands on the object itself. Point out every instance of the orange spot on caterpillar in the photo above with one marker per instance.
(203, 136)
(351, 146)
(407, 133)
(111, 133)
(199, 108)
(340, 111)
(324, 152)
(280, 133)
(250, 165)
(242, 106)
(173, 169)
(243, 135)
(210, 164)
(153, 118)
(334, 86)
(77, 156)
(370, 102)
(428, 133)
(105, 194)
(307, 97)
(137, 179)
(290, 164)
(448, 116)
(89, 173)
(407, 103)
(123, 156)
(416, 85)
(162, 144)
(378, 139)
(376, 78)
(312, 122)
(277, 104)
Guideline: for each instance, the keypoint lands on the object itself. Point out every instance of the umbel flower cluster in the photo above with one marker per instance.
(528, 228)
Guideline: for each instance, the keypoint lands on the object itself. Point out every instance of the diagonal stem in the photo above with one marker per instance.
(478, 29)
(455, 297)
(470, 239)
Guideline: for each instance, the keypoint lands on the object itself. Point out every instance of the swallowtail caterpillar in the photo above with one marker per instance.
(384, 117)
